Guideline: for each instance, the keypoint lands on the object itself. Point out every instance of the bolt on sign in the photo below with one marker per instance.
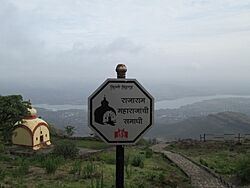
(121, 111)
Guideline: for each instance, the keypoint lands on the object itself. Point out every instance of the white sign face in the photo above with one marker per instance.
(121, 111)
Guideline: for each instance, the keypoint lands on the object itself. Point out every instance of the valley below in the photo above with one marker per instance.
(180, 119)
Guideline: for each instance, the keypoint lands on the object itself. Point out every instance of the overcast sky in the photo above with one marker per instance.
(173, 41)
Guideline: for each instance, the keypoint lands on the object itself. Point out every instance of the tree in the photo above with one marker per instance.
(70, 130)
(12, 110)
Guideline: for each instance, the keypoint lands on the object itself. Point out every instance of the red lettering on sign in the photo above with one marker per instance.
(121, 133)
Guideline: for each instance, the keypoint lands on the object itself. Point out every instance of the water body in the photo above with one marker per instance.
(165, 104)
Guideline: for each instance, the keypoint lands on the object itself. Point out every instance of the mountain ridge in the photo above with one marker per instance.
(220, 123)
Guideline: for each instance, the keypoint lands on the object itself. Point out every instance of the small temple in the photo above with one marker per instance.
(31, 132)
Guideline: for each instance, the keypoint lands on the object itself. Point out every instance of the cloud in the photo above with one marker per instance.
(68, 40)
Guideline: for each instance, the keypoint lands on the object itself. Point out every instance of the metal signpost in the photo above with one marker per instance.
(120, 113)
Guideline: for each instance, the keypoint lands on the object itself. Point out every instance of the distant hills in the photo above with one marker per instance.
(216, 116)
(61, 119)
(77, 92)
(220, 123)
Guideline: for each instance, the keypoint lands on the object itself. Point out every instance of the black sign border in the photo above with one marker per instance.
(121, 81)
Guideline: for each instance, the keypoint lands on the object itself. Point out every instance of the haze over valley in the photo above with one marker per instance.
(187, 121)
(58, 53)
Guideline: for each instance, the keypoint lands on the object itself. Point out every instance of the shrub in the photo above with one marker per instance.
(69, 130)
(148, 153)
(77, 167)
(89, 170)
(137, 161)
(66, 149)
(243, 169)
(51, 164)
(157, 177)
(151, 176)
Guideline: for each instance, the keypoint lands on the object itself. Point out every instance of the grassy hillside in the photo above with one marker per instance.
(142, 169)
(228, 159)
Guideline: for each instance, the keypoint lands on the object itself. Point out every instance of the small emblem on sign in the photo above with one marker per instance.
(121, 133)
(105, 114)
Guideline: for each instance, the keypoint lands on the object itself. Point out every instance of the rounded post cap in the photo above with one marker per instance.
(121, 70)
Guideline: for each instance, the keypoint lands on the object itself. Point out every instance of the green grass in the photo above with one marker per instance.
(84, 143)
(93, 172)
(91, 144)
(221, 157)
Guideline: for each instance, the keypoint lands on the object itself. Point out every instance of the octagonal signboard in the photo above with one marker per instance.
(120, 111)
